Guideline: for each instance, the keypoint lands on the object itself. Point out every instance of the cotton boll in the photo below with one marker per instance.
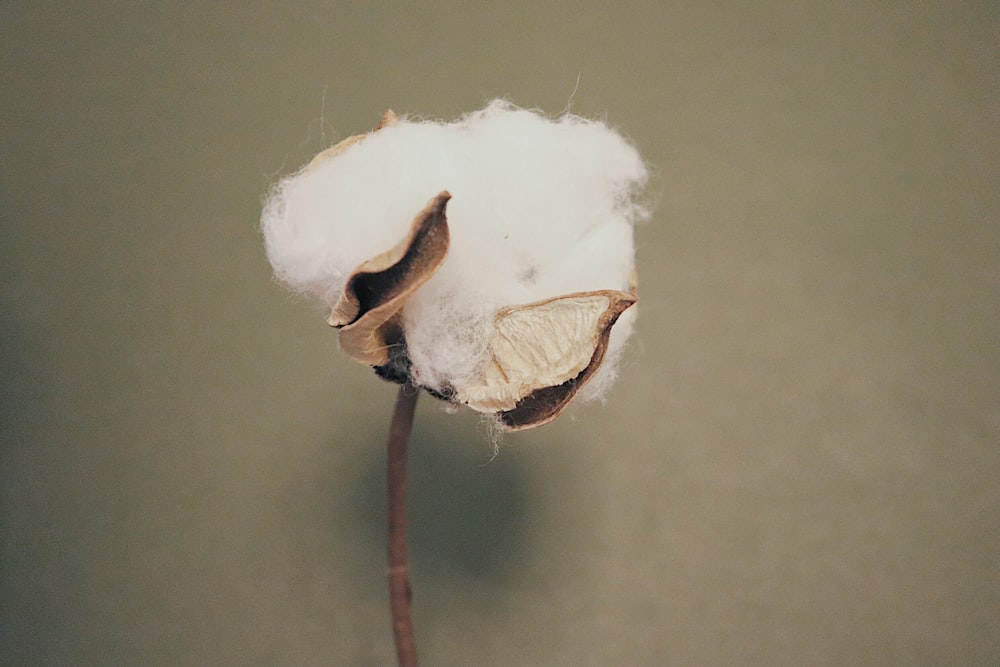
(539, 209)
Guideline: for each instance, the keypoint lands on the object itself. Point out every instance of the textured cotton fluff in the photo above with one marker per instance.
(540, 208)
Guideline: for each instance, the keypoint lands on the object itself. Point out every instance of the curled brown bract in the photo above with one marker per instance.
(375, 292)
(545, 403)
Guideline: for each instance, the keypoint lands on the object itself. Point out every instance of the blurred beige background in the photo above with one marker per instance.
(800, 464)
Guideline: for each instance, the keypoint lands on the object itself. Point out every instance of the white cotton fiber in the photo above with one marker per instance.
(539, 208)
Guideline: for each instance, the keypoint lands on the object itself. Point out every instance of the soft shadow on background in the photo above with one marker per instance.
(799, 465)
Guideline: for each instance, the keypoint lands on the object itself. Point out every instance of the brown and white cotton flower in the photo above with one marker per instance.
(489, 260)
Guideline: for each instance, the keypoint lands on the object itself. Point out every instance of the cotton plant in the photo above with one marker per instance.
(488, 261)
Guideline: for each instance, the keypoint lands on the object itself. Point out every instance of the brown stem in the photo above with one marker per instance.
(399, 571)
